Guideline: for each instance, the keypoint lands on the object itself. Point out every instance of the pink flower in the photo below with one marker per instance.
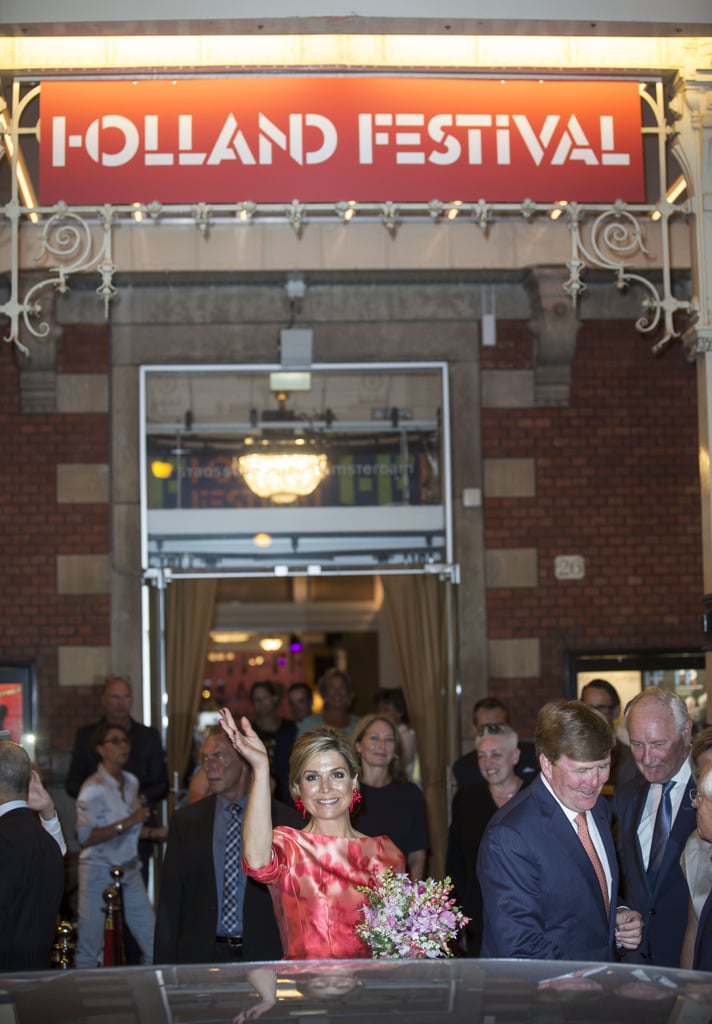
(409, 919)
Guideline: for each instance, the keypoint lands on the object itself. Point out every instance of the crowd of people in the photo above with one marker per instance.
(578, 846)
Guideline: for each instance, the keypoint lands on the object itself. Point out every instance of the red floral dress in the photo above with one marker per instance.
(312, 880)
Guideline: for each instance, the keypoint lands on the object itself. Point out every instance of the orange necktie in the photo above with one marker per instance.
(587, 843)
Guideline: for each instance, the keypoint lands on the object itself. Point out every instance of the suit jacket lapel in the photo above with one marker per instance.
(565, 834)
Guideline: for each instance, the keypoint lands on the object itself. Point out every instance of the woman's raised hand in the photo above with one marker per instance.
(244, 739)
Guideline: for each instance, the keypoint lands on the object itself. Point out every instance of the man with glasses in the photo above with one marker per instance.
(655, 818)
(603, 697)
(208, 910)
(696, 860)
(702, 802)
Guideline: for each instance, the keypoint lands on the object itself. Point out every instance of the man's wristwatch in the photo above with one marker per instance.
(119, 827)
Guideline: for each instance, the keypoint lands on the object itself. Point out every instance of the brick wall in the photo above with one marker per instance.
(617, 483)
(34, 619)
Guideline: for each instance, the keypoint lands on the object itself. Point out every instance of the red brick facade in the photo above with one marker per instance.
(34, 619)
(616, 482)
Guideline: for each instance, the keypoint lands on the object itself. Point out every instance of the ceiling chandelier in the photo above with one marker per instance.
(283, 472)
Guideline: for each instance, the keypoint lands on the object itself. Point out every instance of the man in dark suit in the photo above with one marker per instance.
(189, 917)
(603, 697)
(31, 871)
(702, 960)
(655, 818)
(490, 711)
(547, 864)
(147, 760)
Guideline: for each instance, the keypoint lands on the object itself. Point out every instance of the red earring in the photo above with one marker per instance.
(355, 800)
(300, 807)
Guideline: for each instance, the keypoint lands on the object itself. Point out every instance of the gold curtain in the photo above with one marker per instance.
(189, 616)
(417, 607)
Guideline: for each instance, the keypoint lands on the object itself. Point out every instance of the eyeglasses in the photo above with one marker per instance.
(696, 798)
(118, 740)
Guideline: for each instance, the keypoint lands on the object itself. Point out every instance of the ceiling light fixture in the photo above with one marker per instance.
(226, 636)
(161, 469)
(270, 643)
(284, 468)
(283, 476)
(676, 189)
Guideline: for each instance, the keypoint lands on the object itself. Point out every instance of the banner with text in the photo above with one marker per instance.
(334, 139)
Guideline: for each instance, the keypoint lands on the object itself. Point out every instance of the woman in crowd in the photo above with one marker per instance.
(277, 734)
(391, 703)
(110, 821)
(472, 807)
(312, 874)
(335, 689)
(390, 806)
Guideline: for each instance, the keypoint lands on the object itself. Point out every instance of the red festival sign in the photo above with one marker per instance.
(331, 139)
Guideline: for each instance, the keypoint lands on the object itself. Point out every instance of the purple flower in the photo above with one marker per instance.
(409, 919)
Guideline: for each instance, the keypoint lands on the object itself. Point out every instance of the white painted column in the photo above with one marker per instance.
(693, 147)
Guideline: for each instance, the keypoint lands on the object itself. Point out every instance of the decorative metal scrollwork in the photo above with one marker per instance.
(612, 238)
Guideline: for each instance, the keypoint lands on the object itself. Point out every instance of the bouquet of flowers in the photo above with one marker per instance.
(409, 919)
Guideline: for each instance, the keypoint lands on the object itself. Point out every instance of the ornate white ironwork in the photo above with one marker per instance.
(78, 239)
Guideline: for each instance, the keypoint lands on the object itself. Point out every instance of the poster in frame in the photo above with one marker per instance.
(18, 693)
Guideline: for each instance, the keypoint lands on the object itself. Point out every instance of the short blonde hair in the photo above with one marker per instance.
(319, 741)
(510, 738)
(333, 673)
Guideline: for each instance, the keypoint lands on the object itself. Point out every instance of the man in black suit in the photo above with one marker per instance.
(147, 760)
(655, 819)
(603, 697)
(31, 871)
(702, 960)
(189, 916)
(490, 711)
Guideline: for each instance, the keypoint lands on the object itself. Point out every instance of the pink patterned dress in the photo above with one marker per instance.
(312, 880)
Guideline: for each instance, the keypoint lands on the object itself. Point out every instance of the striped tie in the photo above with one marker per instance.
(661, 832)
(587, 843)
(232, 868)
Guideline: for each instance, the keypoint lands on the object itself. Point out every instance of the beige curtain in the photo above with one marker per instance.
(189, 616)
(418, 613)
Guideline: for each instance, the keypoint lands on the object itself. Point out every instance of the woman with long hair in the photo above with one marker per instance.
(391, 806)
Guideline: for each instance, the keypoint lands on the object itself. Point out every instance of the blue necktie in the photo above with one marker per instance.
(231, 875)
(661, 832)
